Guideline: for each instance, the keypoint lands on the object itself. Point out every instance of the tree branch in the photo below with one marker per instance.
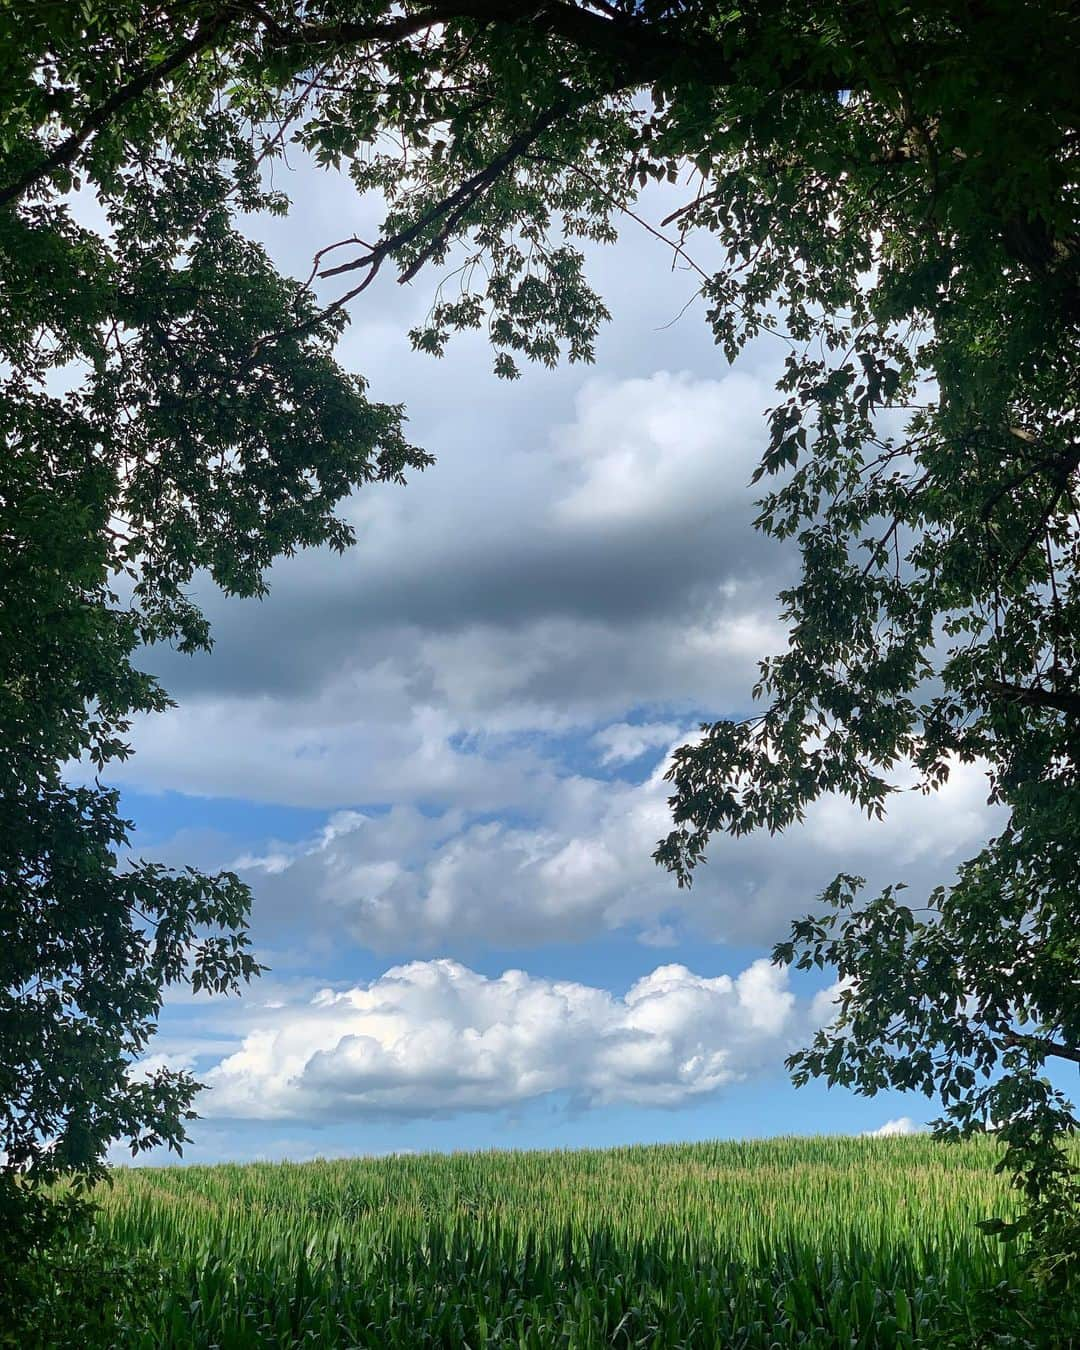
(149, 78)
(451, 208)
(642, 50)
(1061, 700)
(449, 211)
(1044, 1044)
(208, 30)
(640, 53)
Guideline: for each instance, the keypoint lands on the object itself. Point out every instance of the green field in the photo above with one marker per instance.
(809, 1242)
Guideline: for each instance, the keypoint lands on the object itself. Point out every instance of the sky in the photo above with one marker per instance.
(438, 761)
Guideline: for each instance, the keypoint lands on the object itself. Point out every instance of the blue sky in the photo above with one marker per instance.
(438, 761)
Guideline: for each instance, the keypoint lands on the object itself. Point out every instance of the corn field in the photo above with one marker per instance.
(789, 1242)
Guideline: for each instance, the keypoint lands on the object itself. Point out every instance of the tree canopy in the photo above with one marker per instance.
(893, 190)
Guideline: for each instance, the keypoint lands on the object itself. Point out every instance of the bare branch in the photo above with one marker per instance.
(450, 210)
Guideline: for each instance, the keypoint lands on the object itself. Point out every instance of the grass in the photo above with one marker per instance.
(810, 1242)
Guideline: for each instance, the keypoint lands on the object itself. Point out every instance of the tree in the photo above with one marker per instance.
(152, 428)
(894, 190)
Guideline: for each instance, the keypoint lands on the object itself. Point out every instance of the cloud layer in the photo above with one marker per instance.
(582, 867)
(543, 577)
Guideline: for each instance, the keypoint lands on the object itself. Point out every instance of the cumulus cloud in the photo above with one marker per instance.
(636, 509)
(901, 1125)
(434, 1038)
(435, 716)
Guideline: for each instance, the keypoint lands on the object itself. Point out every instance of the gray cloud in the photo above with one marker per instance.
(613, 567)
(636, 511)
(582, 548)
(582, 869)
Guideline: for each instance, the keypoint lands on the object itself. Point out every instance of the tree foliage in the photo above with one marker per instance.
(891, 187)
(169, 404)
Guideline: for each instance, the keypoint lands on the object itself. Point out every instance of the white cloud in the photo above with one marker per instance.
(901, 1125)
(823, 1006)
(434, 717)
(434, 1038)
(177, 1059)
(623, 742)
(669, 448)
